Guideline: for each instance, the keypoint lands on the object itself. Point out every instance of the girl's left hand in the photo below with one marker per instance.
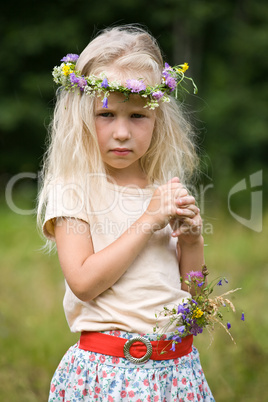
(188, 224)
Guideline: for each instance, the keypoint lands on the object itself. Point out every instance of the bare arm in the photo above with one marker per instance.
(192, 257)
(190, 247)
(89, 274)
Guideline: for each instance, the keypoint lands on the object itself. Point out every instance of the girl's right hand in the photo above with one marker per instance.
(163, 207)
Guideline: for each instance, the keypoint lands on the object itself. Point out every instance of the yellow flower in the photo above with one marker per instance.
(182, 69)
(66, 70)
(197, 313)
(185, 67)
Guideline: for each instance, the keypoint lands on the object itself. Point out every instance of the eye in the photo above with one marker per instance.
(137, 115)
(105, 114)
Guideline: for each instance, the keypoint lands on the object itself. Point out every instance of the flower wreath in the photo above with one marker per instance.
(69, 78)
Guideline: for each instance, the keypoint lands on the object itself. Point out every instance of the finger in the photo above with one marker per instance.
(189, 212)
(187, 230)
(185, 213)
(181, 229)
(185, 200)
(181, 192)
(174, 180)
(191, 223)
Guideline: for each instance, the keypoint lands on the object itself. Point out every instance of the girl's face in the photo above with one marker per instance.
(124, 132)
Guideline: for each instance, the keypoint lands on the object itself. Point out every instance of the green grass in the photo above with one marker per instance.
(34, 334)
(33, 331)
(238, 372)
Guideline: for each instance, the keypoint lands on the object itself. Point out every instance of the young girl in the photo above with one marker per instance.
(125, 227)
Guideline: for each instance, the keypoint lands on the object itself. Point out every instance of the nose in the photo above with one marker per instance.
(121, 130)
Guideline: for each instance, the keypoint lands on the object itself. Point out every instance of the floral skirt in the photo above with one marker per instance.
(87, 376)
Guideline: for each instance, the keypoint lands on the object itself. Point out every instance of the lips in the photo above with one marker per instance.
(121, 151)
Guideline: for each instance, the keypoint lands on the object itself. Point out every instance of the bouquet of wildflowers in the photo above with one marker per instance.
(201, 310)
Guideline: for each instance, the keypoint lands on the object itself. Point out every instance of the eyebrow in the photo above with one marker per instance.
(110, 109)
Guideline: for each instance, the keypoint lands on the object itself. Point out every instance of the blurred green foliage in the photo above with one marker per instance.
(34, 333)
(224, 42)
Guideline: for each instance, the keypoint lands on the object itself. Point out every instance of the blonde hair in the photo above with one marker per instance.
(73, 152)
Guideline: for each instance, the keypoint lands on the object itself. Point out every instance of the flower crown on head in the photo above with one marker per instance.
(172, 77)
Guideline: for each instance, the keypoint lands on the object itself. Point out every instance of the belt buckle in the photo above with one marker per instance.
(142, 359)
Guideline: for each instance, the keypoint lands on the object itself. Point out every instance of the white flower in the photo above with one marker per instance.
(114, 85)
(165, 99)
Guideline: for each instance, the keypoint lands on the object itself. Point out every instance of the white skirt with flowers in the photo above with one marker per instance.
(87, 376)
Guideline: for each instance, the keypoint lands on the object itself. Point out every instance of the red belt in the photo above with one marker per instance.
(137, 349)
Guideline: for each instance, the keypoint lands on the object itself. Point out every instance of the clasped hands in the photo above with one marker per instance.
(172, 204)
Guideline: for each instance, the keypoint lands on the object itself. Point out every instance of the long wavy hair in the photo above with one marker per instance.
(73, 152)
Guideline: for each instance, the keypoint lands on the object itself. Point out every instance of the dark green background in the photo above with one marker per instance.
(225, 43)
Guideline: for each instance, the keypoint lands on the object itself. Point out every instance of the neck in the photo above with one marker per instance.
(127, 178)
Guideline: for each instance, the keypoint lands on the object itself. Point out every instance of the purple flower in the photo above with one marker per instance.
(82, 82)
(195, 276)
(220, 282)
(70, 57)
(243, 317)
(104, 83)
(176, 338)
(73, 78)
(173, 346)
(166, 71)
(158, 95)
(181, 309)
(105, 102)
(186, 309)
(79, 81)
(136, 85)
(181, 329)
(171, 83)
(228, 325)
(193, 301)
(195, 329)
(200, 284)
